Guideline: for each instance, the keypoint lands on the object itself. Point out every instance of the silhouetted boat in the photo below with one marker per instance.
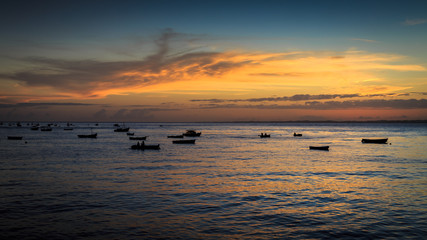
(143, 146)
(121, 130)
(88, 135)
(192, 133)
(46, 128)
(176, 136)
(138, 138)
(14, 137)
(324, 148)
(376, 140)
(130, 134)
(192, 141)
(297, 135)
(264, 135)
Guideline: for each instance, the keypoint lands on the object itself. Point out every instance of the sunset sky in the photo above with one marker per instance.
(185, 61)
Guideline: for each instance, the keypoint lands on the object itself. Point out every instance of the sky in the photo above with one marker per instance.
(213, 61)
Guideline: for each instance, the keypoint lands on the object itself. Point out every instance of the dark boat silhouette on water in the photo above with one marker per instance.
(144, 146)
(375, 140)
(264, 135)
(324, 148)
(14, 137)
(94, 135)
(192, 133)
(297, 134)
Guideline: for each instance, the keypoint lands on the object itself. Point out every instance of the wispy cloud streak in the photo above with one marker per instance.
(412, 22)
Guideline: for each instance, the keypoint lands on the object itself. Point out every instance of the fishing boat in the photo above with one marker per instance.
(144, 146)
(176, 136)
(14, 137)
(375, 140)
(123, 129)
(297, 134)
(264, 135)
(192, 133)
(138, 138)
(192, 141)
(88, 135)
(324, 148)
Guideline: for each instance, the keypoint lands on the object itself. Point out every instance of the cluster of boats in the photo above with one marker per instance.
(180, 140)
(189, 133)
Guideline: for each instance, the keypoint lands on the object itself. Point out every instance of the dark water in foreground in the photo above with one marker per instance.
(229, 185)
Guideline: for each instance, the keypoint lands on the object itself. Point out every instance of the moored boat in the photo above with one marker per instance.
(14, 137)
(192, 133)
(375, 140)
(144, 146)
(121, 129)
(130, 134)
(297, 134)
(94, 135)
(264, 135)
(324, 148)
(192, 141)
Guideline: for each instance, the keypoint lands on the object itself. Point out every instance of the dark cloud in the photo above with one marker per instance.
(380, 104)
(84, 77)
(297, 97)
(44, 105)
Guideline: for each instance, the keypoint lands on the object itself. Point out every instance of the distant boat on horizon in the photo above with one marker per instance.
(324, 148)
(375, 140)
(14, 137)
(94, 135)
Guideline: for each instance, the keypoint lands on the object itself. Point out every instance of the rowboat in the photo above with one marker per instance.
(14, 137)
(143, 146)
(87, 135)
(324, 148)
(376, 140)
(192, 141)
(121, 130)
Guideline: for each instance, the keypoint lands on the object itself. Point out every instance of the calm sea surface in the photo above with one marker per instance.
(231, 184)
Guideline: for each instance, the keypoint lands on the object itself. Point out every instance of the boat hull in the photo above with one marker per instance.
(378, 141)
(323, 148)
(14, 137)
(88, 135)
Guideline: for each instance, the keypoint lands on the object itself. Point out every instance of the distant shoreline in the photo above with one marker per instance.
(301, 121)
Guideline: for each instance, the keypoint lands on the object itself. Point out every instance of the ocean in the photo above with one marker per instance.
(230, 184)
